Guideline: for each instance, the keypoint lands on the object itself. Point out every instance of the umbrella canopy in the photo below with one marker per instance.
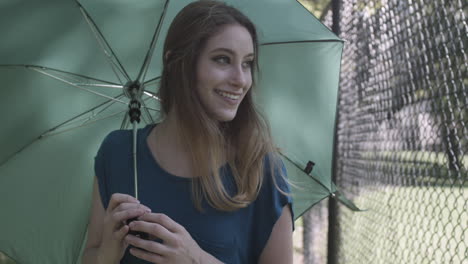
(63, 68)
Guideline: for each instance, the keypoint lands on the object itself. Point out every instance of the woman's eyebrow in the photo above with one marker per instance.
(229, 51)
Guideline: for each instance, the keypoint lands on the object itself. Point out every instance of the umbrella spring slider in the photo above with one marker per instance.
(310, 166)
(134, 111)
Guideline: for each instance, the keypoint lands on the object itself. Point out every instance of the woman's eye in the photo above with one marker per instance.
(222, 59)
(248, 64)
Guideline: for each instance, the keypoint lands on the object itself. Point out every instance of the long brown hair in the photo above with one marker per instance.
(243, 142)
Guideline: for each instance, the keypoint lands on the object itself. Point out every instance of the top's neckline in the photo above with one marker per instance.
(149, 154)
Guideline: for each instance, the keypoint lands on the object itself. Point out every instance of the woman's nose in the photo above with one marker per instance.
(239, 76)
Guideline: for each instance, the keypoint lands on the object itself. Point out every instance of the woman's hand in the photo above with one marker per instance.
(121, 208)
(178, 247)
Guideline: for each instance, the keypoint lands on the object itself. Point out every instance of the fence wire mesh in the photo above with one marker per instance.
(402, 132)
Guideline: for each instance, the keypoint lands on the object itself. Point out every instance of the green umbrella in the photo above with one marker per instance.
(64, 68)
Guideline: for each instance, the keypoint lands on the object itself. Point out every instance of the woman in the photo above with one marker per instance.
(211, 183)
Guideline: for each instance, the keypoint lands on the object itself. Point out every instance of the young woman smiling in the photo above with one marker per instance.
(212, 185)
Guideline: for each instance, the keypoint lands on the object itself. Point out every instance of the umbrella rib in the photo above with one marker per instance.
(102, 110)
(41, 69)
(76, 85)
(33, 67)
(52, 134)
(300, 41)
(149, 54)
(82, 125)
(101, 85)
(148, 93)
(82, 114)
(145, 119)
(147, 83)
(110, 54)
(152, 95)
(18, 151)
(109, 105)
(87, 123)
(147, 112)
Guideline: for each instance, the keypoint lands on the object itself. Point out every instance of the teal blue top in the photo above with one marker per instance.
(232, 237)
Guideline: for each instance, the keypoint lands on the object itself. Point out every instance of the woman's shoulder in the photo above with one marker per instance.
(116, 135)
(273, 165)
(275, 183)
(121, 137)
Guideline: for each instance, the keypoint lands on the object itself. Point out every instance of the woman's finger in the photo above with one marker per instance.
(122, 232)
(148, 245)
(118, 198)
(123, 216)
(154, 229)
(163, 220)
(127, 206)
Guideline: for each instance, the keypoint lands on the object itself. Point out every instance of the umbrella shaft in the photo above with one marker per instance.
(135, 173)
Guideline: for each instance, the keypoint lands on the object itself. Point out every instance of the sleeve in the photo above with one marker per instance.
(274, 195)
(100, 170)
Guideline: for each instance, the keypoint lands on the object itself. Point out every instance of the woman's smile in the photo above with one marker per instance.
(230, 98)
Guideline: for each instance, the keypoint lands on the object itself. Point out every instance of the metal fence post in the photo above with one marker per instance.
(333, 232)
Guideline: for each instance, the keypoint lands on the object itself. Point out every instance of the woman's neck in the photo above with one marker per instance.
(168, 132)
(168, 148)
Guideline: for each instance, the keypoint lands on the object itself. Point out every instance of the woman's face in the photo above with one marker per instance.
(224, 71)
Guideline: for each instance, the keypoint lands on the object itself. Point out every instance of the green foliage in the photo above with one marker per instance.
(316, 7)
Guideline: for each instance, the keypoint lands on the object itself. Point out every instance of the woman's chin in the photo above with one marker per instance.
(225, 116)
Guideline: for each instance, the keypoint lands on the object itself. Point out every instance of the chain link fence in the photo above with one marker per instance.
(402, 134)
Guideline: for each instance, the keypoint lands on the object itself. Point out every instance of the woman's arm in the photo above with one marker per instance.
(279, 248)
(106, 228)
(94, 228)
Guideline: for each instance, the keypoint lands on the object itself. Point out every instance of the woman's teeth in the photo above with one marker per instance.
(228, 95)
